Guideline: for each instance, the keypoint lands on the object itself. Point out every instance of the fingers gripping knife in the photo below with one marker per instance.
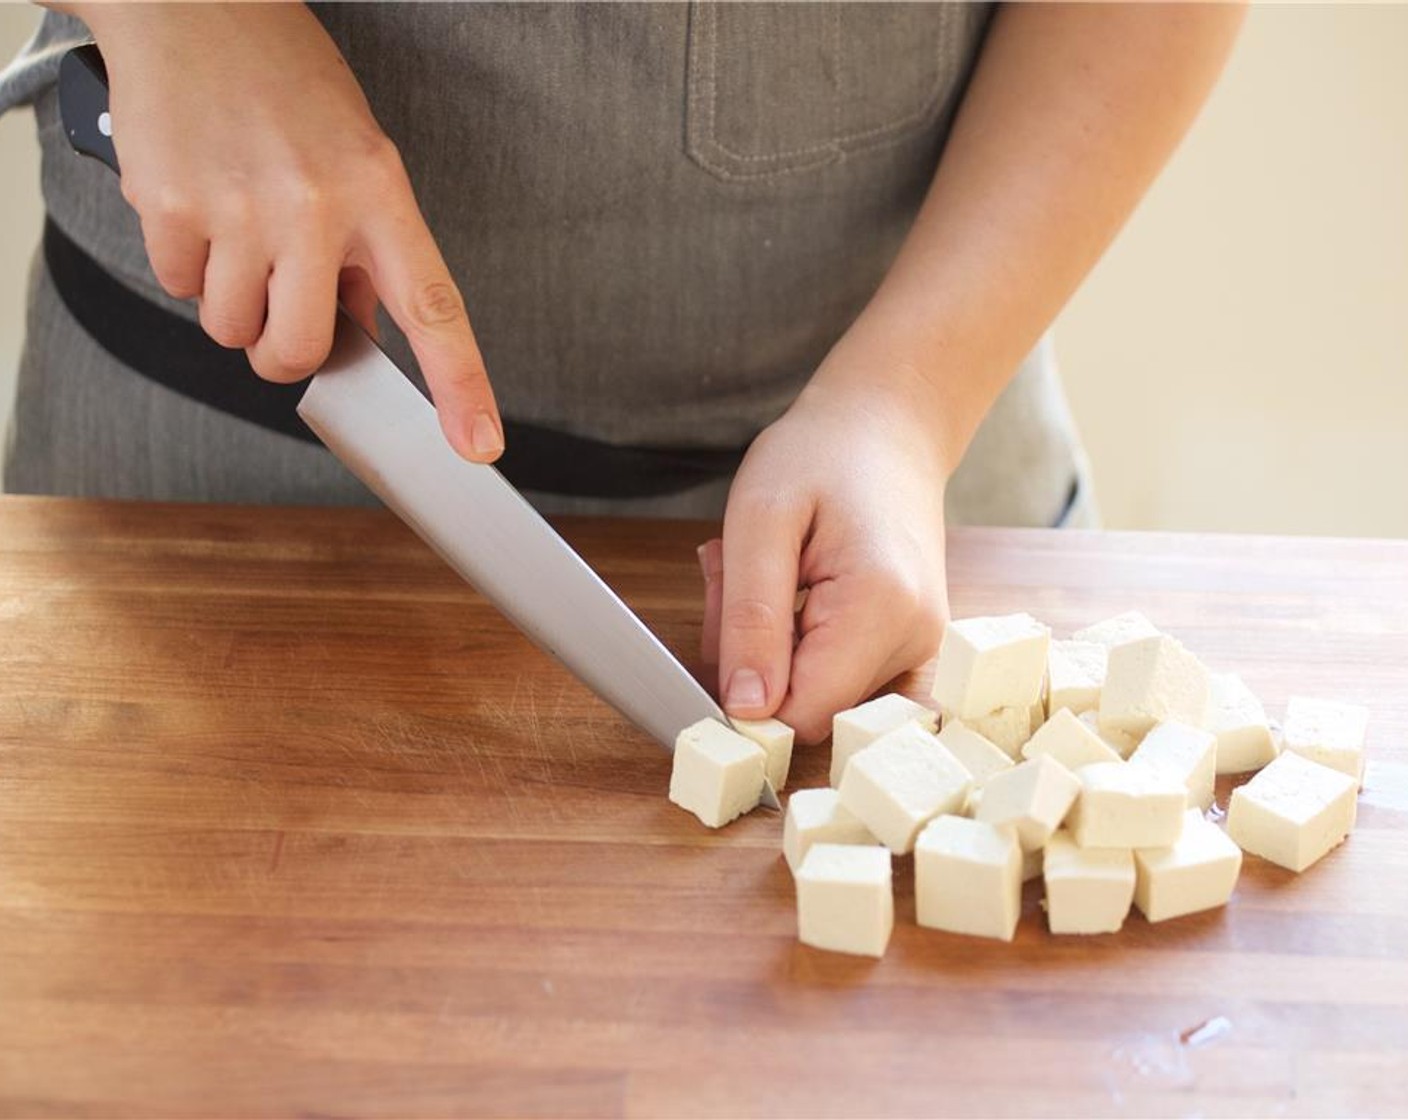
(374, 420)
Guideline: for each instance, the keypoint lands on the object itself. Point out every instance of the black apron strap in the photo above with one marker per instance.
(176, 353)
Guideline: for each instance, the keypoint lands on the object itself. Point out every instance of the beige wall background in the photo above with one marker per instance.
(1239, 360)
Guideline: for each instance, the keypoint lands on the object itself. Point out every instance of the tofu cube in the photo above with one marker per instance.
(855, 729)
(1032, 864)
(990, 663)
(1184, 752)
(968, 878)
(1123, 743)
(1127, 805)
(1076, 674)
(1007, 729)
(717, 774)
(845, 899)
(1150, 680)
(1293, 811)
(977, 754)
(1069, 742)
(1236, 717)
(1088, 890)
(1127, 627)
(776, 739)
(901, 782)
(816, 816)
(1197, 873)
(1033, 798)
(1327, 732)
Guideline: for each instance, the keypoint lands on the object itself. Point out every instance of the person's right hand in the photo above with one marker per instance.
(267, 190)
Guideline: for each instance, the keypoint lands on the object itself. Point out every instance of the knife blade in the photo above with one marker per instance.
(369, 414)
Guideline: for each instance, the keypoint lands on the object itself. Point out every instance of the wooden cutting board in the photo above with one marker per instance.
(291, 822)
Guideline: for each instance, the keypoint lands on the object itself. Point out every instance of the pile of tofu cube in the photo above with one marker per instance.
(1087, 762)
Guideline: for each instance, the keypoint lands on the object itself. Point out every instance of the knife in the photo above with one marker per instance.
(384, 431)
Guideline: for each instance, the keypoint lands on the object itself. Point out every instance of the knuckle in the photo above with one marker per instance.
(752, 617)
(298, 356)
(230, 330)
(177, 282)
(382, 160)
(308, 200)
(436, 304)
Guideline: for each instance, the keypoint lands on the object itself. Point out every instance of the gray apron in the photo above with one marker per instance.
(662, 218)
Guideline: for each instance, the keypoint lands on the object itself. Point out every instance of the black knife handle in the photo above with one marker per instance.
(83, 104)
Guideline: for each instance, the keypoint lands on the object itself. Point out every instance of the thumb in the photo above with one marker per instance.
(762, 543)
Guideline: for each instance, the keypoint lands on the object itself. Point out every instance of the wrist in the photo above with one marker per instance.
(892, 373)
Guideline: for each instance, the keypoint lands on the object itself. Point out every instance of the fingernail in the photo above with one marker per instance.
(484, 435)
(745, 690)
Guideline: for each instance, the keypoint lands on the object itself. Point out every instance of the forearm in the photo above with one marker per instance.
(1071, 112)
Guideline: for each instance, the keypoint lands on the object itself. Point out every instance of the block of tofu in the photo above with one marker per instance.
(1236, 717)
(845, 899)
(1007, 728)
(776, 738)
(816, 816)
(1031, 864)
(1150, 680)
(1076, 674)
(990, 663)
(1033, 798)
(1123, 743)
(1127, 805)
(978, 755)
(1088, 890)
(1293, 811)
(1185, 752)
(1038, 711)
(717, 774)
(1126, 627)
(1327, 732)
(968, 878)
(901, 782)
(1069, 742)
(856, 728)
(1197, 873)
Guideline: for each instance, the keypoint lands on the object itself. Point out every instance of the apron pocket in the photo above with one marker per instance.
(776, 89)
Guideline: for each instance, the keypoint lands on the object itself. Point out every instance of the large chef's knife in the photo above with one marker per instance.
(375, 420)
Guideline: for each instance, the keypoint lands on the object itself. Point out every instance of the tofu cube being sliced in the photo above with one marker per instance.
(901, 782)
(1127, 805)
(1293, 811)
(1236, 717)
(855, 729)
(845, 899)
(1327, 732)
(968, 878)
(990, 663)
(1076, 674)
(717, 774)
(776, 738)
(1197, 873)
(1150, 680)
(1069, 742)
(1088, 890)
(1007, 728)
(1123, 743)
(978, 755)
(1032, 798)
(1185, 752)
(816, 816)
(1126, 627)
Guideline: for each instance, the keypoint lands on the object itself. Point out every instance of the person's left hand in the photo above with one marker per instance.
(843, 497)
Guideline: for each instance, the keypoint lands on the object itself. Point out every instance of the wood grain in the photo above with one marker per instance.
(291, 822)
